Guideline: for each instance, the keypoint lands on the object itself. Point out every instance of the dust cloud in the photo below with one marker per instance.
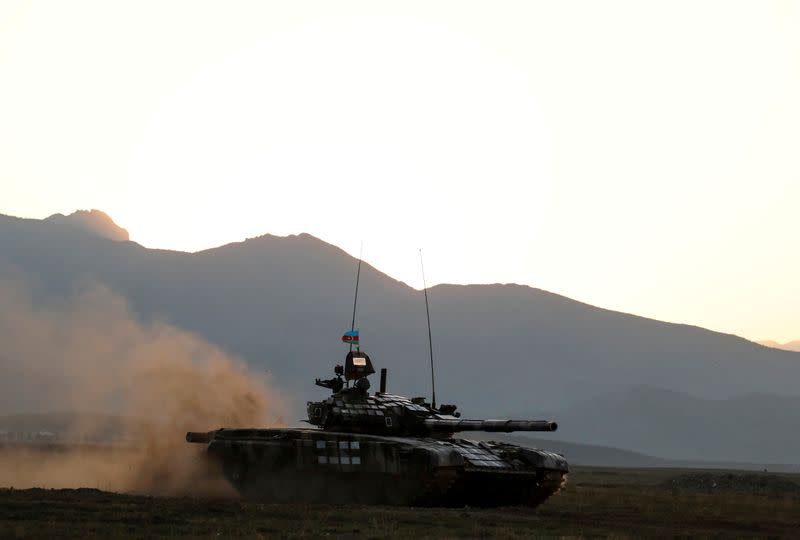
(125, 391)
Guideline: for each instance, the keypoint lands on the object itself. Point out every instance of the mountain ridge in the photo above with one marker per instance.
(793, 346)
(739, 427)
(281, 303)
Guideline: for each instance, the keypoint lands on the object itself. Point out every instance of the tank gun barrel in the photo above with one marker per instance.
(505, 426)
(199, 437)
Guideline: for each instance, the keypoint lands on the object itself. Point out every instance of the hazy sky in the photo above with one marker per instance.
(640, 156)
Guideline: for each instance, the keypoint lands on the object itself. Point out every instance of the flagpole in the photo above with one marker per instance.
(430, 340)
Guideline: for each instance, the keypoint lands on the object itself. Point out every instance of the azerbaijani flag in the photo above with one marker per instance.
(351, 337)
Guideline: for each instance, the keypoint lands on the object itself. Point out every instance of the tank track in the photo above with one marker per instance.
(291, 465)
(490, 488)
(443, 488)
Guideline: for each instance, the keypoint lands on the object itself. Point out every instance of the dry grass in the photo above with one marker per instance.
(616, 503)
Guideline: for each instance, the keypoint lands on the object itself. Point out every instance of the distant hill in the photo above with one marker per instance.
(103, 428)
(282, 302)
(759, 428)
(788, 346)
(578, 454)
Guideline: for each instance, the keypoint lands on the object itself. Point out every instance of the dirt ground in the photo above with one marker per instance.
(597, 502)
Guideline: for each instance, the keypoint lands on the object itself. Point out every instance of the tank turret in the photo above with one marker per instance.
(352, 409)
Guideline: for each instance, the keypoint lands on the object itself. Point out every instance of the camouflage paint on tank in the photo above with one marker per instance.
(384, 448)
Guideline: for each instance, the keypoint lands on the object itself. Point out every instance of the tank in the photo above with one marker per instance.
(381, 448)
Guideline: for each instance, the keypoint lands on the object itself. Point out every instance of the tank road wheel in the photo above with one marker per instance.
(548, 483)
(235, 472)
(313, 487)
(396, 491)
(283, 488)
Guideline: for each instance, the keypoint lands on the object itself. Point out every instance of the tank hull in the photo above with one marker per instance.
(322, 466)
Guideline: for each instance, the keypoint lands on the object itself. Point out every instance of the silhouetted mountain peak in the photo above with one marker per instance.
(93, 221)
(267, 241)
(301, 253)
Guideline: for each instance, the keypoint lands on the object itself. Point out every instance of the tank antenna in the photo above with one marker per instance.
(355, 298)
(430, 340)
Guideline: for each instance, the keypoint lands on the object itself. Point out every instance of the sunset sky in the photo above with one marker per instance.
(639, 156)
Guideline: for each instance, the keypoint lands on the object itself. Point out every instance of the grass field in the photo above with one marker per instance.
(597, 502)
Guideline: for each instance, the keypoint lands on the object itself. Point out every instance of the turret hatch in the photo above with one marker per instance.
(357, 365)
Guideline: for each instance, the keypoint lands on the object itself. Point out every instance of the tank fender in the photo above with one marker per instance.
(445, 456)
(542, 459)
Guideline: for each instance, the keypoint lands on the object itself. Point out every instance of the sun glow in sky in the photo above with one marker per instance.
(639, 156)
